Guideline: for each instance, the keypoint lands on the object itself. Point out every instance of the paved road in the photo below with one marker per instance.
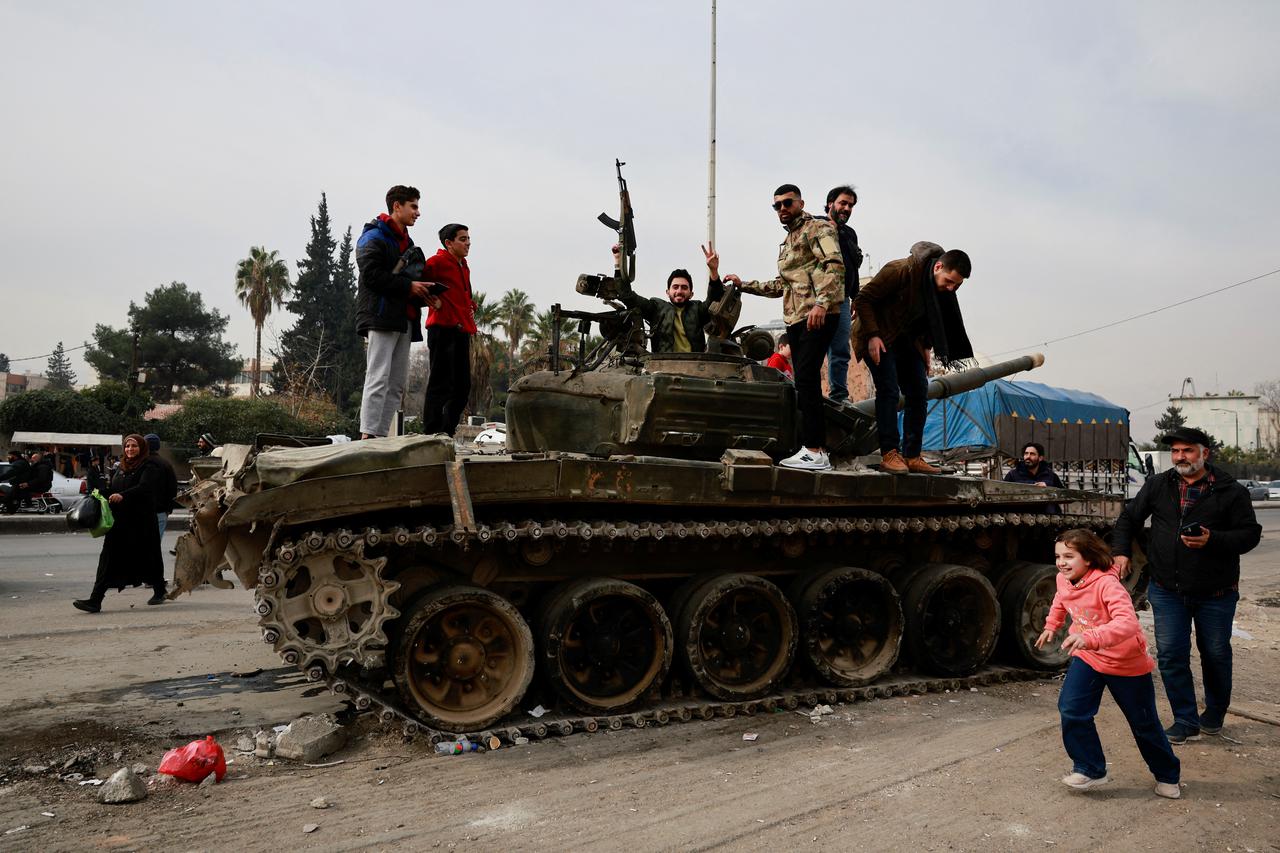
(130, 655)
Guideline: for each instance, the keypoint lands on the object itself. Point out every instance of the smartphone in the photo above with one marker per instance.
(435, 288)
(1192, 529)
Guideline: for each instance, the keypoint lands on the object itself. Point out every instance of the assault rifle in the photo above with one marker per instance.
(625, 228)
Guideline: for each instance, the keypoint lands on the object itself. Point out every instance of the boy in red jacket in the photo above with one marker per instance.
(1107, 650)
(450, 326)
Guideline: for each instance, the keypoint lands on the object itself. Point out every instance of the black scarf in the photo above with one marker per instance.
(942, 311)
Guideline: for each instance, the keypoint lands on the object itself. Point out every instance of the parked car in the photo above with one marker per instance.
(68, 490)
(494, 436)
(1273, 490)
(1257, 491)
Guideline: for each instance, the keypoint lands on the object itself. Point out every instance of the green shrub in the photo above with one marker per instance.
(235, 421)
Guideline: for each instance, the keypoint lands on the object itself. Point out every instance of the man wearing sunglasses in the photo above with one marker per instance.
(907, 311)
(811, 283)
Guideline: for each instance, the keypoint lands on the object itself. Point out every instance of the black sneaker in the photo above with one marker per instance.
(1213, 731)
(86, 605)
(157, 597)
(1180, 733)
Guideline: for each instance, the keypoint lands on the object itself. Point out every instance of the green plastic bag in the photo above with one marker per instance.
(105, 522)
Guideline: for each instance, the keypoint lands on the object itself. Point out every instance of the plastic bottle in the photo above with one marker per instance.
(456, 747)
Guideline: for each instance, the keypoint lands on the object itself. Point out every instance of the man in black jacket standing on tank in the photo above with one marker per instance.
(1201, 522)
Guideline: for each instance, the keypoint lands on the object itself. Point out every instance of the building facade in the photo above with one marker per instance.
(1232, 420)
(17, 383)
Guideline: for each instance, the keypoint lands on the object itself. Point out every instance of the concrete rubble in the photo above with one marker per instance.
(124, 786)
(308, 739)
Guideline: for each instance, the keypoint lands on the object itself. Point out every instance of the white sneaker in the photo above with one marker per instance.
(808, 460)
(1081, 782)
(1169, 790)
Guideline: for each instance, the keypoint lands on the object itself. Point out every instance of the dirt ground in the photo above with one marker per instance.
(974, 770)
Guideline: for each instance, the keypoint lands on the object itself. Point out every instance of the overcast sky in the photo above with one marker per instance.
(1095, 159)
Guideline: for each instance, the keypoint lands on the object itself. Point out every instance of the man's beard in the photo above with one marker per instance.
(1186, 469)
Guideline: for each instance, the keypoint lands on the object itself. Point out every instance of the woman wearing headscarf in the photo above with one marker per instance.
(131, 548)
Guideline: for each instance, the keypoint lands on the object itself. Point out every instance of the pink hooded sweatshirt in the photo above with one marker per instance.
(1102, 612)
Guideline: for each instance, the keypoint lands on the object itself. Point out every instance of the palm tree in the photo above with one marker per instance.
(537, 344)
(262, 283)
(482, 354)
(515, 313)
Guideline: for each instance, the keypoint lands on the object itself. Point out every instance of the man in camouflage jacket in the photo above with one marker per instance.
(811, 283)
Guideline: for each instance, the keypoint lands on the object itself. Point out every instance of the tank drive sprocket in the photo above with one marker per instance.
(322, 602)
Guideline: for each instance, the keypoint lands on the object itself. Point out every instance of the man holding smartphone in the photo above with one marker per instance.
(1201, 522)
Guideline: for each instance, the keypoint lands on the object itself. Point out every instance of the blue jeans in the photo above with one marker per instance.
(900, 373)
(1136, 695)
(1175, 614)
(162, 519)
(838, 355)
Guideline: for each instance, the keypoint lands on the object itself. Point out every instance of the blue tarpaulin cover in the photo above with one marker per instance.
(969, 419)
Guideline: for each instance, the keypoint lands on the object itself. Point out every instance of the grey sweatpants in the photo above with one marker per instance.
(386, 368)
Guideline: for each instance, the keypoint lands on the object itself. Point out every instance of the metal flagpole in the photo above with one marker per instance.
(711, 162)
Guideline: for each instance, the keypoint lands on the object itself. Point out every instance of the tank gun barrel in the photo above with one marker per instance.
(966, 380)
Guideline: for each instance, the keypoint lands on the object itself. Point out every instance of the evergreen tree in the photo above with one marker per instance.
(350, 373)
(4, 363)
(180, 344)
(323, 343)
(59, 373)
(1170, 420)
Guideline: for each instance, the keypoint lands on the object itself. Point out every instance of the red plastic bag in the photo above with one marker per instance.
(196, 760)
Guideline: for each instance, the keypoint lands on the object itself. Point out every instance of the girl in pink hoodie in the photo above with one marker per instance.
(1107, 650)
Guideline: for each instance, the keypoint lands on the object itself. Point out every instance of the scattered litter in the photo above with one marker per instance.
(521, 741)
(91, 782)
(998, 749)
(16, 829)
(195, 761)
(537, 712)
(973, 690)
(310, 827)
(1035, 694)
(209, 781)
(279, 729)
(1230, 739)
(327, 764)
(750, 736)
(48, 814)
(48, 574)
(820, 710)
(320, 803)
(1241, 633)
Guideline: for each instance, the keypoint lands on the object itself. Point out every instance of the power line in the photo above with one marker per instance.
(46, 355)
(1137, 316)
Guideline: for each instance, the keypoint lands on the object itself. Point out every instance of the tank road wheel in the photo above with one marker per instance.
(463, 658)
(738, 633)
(850, 625)
(952, 618)
(605, 643)
(1026, 594)
(328, 606)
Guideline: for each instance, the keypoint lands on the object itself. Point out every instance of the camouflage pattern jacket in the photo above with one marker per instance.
(810, 270)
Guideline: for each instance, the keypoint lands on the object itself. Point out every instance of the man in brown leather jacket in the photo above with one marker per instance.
(908, 309)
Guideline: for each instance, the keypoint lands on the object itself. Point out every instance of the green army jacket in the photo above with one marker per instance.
(810, 270)
(660, 314)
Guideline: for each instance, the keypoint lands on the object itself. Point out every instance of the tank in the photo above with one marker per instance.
(635, 556)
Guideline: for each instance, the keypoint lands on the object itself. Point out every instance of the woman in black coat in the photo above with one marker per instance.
(131, 548)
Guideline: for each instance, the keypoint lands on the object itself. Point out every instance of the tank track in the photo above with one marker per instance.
(367, 697)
